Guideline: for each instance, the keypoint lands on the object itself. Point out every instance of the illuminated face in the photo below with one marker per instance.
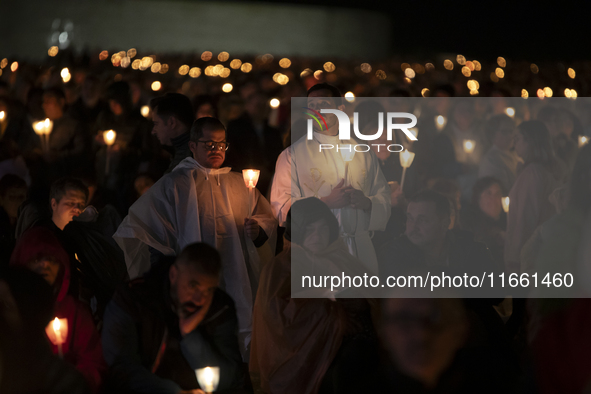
(320, 99)
(206, 157)
(317, 236)
(47, 267)
(72, 204)
(190, 289)
(161, 128)
(423, 226)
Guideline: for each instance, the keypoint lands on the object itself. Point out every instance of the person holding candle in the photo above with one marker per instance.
(174, 320)
(201, 201)
(361, 207)
(40, 251)
(172, 116)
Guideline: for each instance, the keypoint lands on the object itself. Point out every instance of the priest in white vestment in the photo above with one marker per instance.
(199, 201)
(361, 203)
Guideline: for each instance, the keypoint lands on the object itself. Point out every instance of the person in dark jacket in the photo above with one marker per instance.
(13, 192)
(428, 242)
(162, 327)
(172, 115)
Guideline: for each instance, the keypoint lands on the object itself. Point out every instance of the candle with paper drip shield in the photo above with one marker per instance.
(347, 153)
(406, 159)
(505, 202)
(208, 378)
(251, 177)
(109, 137)
(43, 128)
(57, 332)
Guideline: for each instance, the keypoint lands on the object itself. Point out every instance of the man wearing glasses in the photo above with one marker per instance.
(201, 201)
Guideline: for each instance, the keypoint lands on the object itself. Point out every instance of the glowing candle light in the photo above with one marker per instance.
(350, 97)
(274, 103)
(57, 332)
(510, 111)
(406, 159)
(583, 140)
(43, 129)
(2, 116)
(505, 201)
(469, 146)
(251, 177)
(208, 378)
(440, 122)
(145, 111)
(109, 137)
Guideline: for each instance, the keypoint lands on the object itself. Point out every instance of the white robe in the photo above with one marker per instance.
(303, 171)
(197, 204)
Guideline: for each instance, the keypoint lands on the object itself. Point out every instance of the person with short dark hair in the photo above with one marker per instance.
(172, 116)
(429, 243)
(162, 327)
(67, 141)
(201, 201)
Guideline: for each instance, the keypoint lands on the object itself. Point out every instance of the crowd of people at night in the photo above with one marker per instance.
(130, 260)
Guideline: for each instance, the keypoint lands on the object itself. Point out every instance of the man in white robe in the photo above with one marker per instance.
(199, 201)
(360, 203)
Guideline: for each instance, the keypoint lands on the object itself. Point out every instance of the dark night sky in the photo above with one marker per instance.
(486, 29)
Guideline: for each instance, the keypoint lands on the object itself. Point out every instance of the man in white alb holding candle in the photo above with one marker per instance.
(199, 201)
(361, 203)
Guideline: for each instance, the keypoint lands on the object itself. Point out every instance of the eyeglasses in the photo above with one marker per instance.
(215, 145)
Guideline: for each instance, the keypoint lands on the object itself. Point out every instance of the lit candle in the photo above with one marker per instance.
(274, 115)
(208, 378)
(583, 140)
(469, 146)
(510, 111)
(440, 122)
(2, 116)
(43, 129)
(505, 201)
(406, 159)
(109, 137)
(145, 111)
(57, 332)
(251, 177)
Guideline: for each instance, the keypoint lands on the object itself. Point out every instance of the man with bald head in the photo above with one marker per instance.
(201, 201)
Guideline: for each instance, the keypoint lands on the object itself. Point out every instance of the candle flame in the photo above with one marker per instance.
(505, 201)
(109, 137)
(208, 375)
(2, 115)
(583, 140)
(406, 158)
(440, 122)
(56, 324)
(469, 146)
(510, 111)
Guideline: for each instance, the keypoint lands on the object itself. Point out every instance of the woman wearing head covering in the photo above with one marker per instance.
(295, 340)
(40, 251)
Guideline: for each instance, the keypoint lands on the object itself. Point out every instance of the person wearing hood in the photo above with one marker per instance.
(199, 201)
(40, 251)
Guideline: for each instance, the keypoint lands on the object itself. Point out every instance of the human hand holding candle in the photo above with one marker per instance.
(339, 196)
(208, 378)
(252, 228)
